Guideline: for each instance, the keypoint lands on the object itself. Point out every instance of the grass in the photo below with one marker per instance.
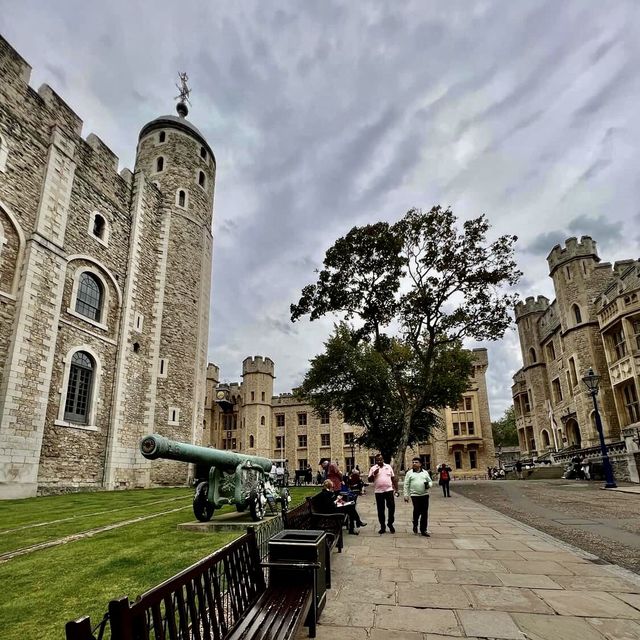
(44, 589)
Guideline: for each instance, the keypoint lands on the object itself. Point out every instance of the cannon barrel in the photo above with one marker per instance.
(156, 446)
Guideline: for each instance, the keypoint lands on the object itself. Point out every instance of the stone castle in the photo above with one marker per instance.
(247, 417)
(104, 314)
(594, 321)
(104, 293)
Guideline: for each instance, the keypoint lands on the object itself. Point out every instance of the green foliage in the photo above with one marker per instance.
(415, 290)
(505, 433)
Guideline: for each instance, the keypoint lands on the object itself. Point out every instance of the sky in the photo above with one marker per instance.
(325, 115)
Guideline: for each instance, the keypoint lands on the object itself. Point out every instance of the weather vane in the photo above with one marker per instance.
(185, 92)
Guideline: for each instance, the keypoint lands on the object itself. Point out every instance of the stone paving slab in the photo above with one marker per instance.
(480, 576)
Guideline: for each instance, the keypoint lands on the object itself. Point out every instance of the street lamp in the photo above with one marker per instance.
(591, 381)
(353, 454)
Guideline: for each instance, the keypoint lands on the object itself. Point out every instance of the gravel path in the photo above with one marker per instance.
(604, 523)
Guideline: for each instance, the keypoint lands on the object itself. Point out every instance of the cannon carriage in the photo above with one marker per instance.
(231, 478)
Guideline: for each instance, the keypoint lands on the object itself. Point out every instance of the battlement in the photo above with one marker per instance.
(61, 112)
(620, 266)
(573, 249)
(257, 364)
(480, 356)
(102, 153)
(213, 372)
(531, 305)
(16, 71)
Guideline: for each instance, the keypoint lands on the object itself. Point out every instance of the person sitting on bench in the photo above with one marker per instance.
(324, 502)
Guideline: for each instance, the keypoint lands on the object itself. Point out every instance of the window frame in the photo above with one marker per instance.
(302, 441)
(325, 439)
(278, 420)
(104, 241)
(302, 419)
(90, 425)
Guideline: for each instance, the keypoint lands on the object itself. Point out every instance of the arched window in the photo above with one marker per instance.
(202, 179)
(89, 299)
(182, 199)
(162, 136)
(160, 164)
(532, 355)
(546, 443)
(203, 153)
(576, 314)
(78, 403)
(99, 226)
(262, 421)
(251, 442)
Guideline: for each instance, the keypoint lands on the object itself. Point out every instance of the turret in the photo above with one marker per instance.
(174, 156)
(257, 388)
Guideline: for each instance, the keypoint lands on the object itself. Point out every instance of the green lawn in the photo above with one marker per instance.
(45, 588)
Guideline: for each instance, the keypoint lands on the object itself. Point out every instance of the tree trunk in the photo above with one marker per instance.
(403, 441)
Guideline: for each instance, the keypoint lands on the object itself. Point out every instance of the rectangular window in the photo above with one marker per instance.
(302, 463)
(253, 396)
(467, 404)
(631, 402)
(618, 342)
(527, 402)
(635, 327)
(348, 438)
(557, 390)
(569, 385)
(426, 460)
(279, 442)
(279, 419)
(463, 428)
(302, 419)
(572, 370)
(349, 463)
(262, 396)
(302, 440)
(457, 456)
(325, 439)
(324, 417)
(551, 351)
(456, 428)
(472, 428)
(174, 415)
(139, 321)
(473, 459)
(162, 368)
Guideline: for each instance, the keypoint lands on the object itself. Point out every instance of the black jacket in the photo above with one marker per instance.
(323, 502)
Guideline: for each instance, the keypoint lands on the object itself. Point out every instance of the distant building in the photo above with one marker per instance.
(594, 321)
(247, 417)
(104, 294)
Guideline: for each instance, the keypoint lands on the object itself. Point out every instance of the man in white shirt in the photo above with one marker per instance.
(385, 484)
(417, 482)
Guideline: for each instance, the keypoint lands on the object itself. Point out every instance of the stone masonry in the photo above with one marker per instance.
(67, 216)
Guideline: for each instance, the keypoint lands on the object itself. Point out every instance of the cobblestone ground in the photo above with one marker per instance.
(605, 523)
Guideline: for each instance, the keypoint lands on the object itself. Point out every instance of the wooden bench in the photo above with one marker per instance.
(304, 517)
(223, 597)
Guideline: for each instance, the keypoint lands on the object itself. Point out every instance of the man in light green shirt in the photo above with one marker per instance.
(416, 486)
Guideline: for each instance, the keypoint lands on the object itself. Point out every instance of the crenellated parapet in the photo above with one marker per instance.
(573, 249)
(531, 305)
(258, 364)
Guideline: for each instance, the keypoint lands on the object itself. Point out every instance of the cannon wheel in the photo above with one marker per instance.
(284, 500)
(255, 505)
(202, 508)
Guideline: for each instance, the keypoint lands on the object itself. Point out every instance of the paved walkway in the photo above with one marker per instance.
(480, 575)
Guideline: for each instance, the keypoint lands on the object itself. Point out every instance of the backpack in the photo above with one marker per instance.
(444, 474)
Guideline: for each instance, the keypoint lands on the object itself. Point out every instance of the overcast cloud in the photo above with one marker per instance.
(327, 114)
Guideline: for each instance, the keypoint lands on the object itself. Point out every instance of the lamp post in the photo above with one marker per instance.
(591, 381)
(353, 454)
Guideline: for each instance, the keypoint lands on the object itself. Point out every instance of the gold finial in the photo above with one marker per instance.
(185, 92)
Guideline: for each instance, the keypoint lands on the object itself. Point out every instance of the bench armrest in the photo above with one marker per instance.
(331, 516)
(291, 565)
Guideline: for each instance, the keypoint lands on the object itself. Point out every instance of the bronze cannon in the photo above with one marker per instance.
(233, 478)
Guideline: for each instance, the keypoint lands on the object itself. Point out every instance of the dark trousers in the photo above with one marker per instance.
(445, 488)
(420, 512)
(381, 500)
(353, 517)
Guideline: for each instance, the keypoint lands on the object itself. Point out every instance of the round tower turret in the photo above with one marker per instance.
(175, 157)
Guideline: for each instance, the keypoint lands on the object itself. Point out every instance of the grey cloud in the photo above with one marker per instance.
(605, 231)
(543, 243)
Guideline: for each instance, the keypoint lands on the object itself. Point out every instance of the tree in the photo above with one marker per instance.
(351, 376)
(505, 433)
(415, 290)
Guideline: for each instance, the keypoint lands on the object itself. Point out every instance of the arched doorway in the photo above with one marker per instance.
(573, 433)
(546, 442)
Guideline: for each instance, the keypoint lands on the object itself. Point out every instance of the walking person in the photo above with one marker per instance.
(444, 478)
(417, 482)
(385, 484)
(519, 469)
(586, 471)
